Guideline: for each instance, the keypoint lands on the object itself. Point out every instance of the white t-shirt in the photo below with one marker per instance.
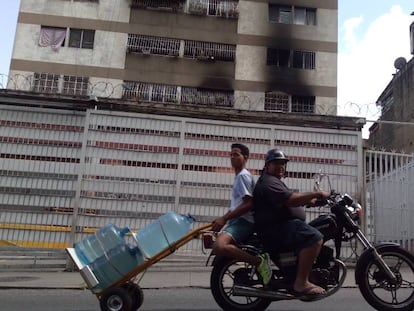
(243, 185)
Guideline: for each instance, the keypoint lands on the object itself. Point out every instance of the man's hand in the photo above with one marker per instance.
(218, 223)
(320, 199)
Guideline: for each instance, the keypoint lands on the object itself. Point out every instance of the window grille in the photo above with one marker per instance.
(45, 83)
(304, 59)
(199, 96)
(222, 8)
(286, 14)
(73, 85)
(174, 5)
(150, 92)
(168, 94)
(303, 104)
(276, 101)
(294, 59)
(209, 51)
(153, 45)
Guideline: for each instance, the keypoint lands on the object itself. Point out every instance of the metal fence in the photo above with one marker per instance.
(390, 197)
(64, 174)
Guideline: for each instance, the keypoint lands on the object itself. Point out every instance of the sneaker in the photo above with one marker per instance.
(264, 268)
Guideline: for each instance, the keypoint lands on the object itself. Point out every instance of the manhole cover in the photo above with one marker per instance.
(17, 278)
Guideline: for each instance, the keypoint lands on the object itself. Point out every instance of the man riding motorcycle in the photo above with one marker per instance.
(280, 221)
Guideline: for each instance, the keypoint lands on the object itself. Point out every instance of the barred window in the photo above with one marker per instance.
(200, 96)
(150, 92)
(81, 38)
(73, 85)
(303, 59)
(209, 51)
(173, 5)
(291, 58)
(153, 45)
(222, 8)
(276, 101)
(45, 83)
(303, 104)
(287, 14)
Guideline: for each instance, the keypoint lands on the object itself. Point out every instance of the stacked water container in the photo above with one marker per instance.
(108, 255)
(162, 233)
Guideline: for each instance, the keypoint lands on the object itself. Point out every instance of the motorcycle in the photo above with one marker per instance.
(384, 272)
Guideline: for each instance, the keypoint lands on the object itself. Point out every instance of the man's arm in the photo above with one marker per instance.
(242, 209)
(303, 198)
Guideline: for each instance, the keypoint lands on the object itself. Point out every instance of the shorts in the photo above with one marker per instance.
(239, 229)
(291, 236)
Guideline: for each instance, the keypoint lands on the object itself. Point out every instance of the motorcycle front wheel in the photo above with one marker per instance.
(228, 272)
(380, 291)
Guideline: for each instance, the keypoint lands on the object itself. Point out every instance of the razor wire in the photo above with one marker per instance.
(107, 90)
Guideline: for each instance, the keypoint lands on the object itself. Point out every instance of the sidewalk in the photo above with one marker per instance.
(151, 279)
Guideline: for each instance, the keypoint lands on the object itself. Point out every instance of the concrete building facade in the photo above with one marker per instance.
(394, 130)
(250, 55)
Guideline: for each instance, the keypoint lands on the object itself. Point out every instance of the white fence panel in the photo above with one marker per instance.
(390, 197)
(84, 170)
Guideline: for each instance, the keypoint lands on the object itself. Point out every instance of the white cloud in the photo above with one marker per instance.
(366, 63)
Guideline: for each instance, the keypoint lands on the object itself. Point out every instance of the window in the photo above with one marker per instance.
(223, 8)
(303, 59)
(286, 14)
(45, 83)
(278, 57)
(282, 102)
(150, 92)
(52, 36)
(53, 83)
(173, 5)
(200, 96)
(73, 85)
(303, 104)
(81, 38)
(209, 51)
(291, 58)
(153, 45)
(276, 101)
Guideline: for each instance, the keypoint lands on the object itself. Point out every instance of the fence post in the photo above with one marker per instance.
(77, 200)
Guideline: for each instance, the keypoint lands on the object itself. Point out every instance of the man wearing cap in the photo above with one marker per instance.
(280, 221)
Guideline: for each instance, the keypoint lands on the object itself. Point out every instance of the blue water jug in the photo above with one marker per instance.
(115, 264)
(94, 246)
(163, 232)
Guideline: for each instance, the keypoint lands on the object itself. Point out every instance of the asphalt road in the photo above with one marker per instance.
(176, 299)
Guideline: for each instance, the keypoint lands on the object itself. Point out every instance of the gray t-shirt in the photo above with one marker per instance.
(243, 185)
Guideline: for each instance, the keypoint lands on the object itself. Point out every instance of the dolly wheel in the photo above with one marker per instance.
(135, 293)
(115, 299)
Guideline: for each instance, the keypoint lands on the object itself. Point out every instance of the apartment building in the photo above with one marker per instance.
(276, 56)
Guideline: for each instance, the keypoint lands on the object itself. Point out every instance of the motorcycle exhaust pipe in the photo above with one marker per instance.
(247, 291)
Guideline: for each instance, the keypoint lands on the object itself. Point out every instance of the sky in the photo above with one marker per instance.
(371, 35)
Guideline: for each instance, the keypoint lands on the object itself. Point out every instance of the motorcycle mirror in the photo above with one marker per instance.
(320, 183)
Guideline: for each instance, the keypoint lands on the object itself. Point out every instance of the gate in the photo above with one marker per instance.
(63, 174)
(389, 197)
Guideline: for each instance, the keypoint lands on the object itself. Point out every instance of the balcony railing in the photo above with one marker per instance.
(220, 8)
(167, 5)
(161, 93)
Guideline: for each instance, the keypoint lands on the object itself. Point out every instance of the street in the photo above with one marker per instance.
(175, 299)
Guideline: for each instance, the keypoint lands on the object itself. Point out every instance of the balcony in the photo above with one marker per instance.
(218, 8)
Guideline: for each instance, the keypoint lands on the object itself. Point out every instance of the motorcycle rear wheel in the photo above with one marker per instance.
(378, 290)
(223, 276)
